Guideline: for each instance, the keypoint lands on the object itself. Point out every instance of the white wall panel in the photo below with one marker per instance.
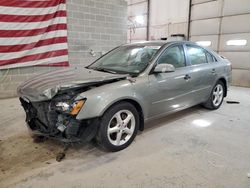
(236, 24)
(200, 1)
(137, 9)
(241, 77)
(224, 38)
(140, 34)
(170, 11)
(157, 33)
(205, 27)
(206, 10)
(232, 7)
(212, 38)
(240, 60)
(167, 30)
(178, 28)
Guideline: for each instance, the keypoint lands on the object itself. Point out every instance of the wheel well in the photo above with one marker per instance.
(139, 110)
(223, 80)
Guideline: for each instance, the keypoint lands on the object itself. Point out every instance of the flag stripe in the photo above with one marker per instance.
(33, 18)
(17, 48)
(27, 4)
(38, 56)
(32, 32)
(50, 60)
(41, 49)
(27, 40)
(31, 25)
(31, 11)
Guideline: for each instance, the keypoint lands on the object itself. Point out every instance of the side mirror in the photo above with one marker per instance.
(161, 68)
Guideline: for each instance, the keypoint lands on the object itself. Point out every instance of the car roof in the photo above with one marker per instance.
(158, 43)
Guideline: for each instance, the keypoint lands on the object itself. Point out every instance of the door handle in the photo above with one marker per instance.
(187, 77)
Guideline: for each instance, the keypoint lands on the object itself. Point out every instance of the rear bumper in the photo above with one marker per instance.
(44, 122)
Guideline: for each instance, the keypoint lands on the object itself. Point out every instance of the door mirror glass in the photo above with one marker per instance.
(161, 68)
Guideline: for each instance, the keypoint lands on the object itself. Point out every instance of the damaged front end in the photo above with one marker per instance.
(56, 117)
(50, 105)
(45, 119)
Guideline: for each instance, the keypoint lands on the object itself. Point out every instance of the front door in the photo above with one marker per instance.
(170, 91)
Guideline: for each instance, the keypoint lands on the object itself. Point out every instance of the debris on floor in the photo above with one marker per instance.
(38, 139)
(61, 155)
(233, 102)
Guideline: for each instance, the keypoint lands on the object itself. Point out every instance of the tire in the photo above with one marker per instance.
(116, 133)
(218, 91)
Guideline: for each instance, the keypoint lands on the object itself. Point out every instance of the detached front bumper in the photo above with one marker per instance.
(46, 122)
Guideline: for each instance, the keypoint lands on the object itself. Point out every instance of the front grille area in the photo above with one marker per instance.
(44, 120)
(39, 117)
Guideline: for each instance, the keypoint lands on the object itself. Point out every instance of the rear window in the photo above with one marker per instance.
(196, 55)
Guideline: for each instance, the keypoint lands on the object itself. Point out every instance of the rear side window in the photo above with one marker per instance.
(173, 55)
(196, 55)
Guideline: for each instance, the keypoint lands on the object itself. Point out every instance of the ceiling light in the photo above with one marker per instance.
(236, 42)
(139, 19)
(204, 43)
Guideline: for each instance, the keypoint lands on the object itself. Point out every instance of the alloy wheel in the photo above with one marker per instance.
(121, 127)
(217, 95)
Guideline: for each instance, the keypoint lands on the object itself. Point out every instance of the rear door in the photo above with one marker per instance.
(170, 91)
(203, 72)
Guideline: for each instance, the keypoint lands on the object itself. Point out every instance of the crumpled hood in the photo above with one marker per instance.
(46, 86)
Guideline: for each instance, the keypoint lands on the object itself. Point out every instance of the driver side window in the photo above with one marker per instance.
(174, 56)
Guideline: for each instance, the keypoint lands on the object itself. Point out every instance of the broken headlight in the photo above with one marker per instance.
(69, 107)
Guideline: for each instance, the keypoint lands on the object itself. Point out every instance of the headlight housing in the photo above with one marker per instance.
(69, 107)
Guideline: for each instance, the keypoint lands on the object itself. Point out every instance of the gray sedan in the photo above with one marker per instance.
(111, 99)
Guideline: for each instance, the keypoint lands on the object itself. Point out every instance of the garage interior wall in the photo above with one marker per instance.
(219, 21)
(166, 17)
(93, 25)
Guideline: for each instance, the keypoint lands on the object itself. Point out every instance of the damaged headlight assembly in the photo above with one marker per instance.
(70, 108)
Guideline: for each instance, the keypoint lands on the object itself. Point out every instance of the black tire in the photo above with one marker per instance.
(209, 104)
(102, 137)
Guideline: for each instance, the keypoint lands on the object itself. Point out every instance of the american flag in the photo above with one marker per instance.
(33, 33)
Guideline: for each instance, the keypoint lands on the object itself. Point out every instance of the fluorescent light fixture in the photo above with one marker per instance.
(204, 43)
(236, 42)
(139, 19)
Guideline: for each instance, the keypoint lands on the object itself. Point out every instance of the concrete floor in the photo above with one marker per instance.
(193, 148)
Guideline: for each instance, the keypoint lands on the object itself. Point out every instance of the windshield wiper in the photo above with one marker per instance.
(104, 70)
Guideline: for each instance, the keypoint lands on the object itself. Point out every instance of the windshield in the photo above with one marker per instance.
(126, 59)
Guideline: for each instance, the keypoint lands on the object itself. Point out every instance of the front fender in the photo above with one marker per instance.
(99, 99)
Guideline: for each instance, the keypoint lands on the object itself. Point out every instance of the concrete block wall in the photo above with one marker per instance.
(97, 25)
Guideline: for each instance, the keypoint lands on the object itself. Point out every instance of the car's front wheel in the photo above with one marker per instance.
(119, 126)
(216, 97)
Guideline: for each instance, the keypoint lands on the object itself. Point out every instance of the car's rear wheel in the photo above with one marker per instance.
(216, 97)
(119, 126)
